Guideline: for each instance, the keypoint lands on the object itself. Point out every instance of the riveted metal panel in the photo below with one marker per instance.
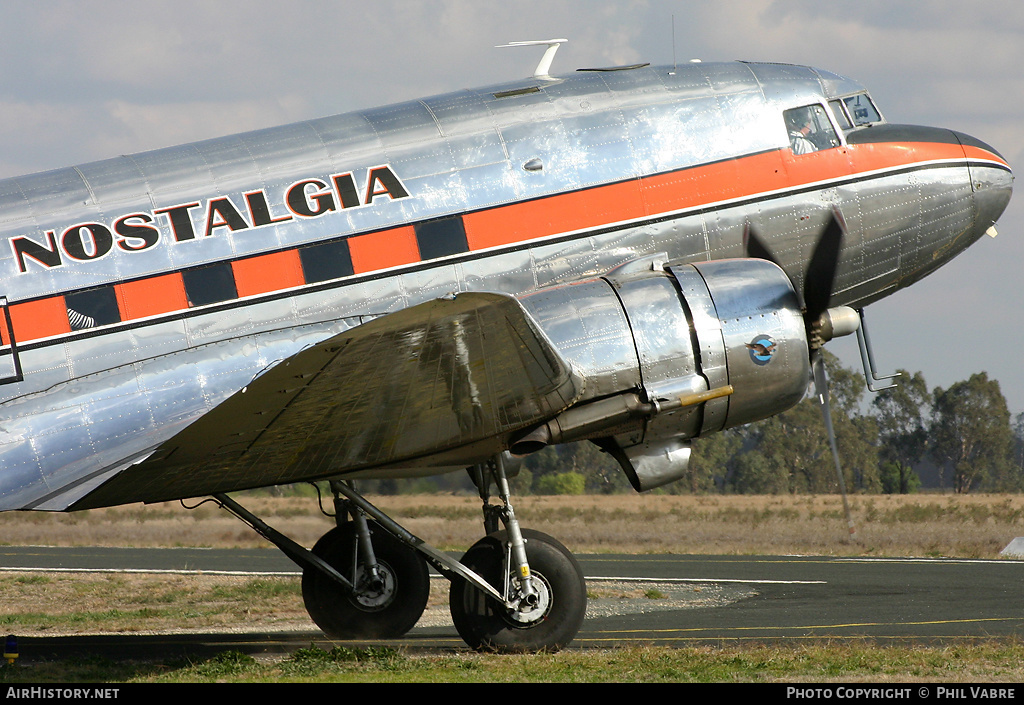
(586, 324)
(664, 340)
(711, 358)
(755, 305)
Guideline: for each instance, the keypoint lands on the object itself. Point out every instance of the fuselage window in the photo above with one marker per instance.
(809, 129)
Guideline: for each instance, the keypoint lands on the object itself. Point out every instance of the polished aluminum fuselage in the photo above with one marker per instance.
(509, 188)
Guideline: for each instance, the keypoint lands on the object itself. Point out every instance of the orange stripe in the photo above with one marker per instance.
(151, 297)
(722, 181)
(886, 155)
(547, 216)
(979, 153)
(38, 319)
(655, 195)
(816, 166)
(266, 273)
(388, 248)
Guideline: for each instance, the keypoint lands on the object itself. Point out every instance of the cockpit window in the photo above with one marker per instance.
(861, 110)
(809, 129)
(840, 113)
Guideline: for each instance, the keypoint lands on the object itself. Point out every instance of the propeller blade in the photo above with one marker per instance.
(818, 281)
(821, 390)
(821, 271)
(755, 247)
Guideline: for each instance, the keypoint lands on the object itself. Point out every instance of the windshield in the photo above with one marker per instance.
(860, 110)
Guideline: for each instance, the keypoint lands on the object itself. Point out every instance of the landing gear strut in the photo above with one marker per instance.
(390, 583)
(360, 580)
(548, 622)
(543, 590)
(514, 591)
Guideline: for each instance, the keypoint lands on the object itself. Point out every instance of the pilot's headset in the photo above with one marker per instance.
(797, 118)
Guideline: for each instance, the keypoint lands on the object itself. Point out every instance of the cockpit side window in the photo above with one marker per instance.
(861, 110)
(809, 129)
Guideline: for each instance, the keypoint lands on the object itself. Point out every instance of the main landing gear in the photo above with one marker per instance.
(514, 591)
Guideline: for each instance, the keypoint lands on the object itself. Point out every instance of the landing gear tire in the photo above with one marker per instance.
(382, 609)
(548, 626)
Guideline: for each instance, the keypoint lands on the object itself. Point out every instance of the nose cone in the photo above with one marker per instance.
(991, 180)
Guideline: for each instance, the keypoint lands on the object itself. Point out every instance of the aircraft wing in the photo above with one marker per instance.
(443, 383)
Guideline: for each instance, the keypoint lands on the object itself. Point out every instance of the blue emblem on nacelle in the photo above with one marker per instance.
(761, 349)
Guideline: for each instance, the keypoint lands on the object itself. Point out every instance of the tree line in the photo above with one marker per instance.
(896, 441)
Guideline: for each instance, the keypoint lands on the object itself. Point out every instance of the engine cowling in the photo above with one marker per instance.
(669, 353)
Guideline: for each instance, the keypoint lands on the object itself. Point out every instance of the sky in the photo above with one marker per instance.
(87, 80)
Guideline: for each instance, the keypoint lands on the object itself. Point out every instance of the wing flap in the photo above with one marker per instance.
(451, 378)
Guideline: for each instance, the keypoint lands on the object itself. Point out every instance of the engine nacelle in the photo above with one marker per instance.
(670, 353)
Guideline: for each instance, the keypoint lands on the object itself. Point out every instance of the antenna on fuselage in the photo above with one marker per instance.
(545, 62)
(674, 65)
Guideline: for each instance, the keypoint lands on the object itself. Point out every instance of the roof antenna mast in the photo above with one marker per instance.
(544, 66)
(673, 46)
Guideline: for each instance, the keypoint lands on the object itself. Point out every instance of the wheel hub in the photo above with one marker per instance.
(373, 594)
(528, 613)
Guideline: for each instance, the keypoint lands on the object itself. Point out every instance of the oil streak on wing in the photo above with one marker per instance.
(444, 383)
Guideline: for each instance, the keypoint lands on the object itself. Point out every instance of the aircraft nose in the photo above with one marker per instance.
(991, 179)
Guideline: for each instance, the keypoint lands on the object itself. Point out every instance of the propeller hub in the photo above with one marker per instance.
(835, 322)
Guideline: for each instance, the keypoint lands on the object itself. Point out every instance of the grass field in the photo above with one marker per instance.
(966, 526)
(976, 526)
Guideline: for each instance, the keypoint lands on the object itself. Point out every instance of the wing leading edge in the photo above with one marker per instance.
(443, 383)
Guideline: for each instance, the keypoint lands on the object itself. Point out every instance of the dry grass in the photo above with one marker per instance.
(972, 526)
(38, 604)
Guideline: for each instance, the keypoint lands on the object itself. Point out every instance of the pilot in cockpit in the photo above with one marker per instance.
(799, 124)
